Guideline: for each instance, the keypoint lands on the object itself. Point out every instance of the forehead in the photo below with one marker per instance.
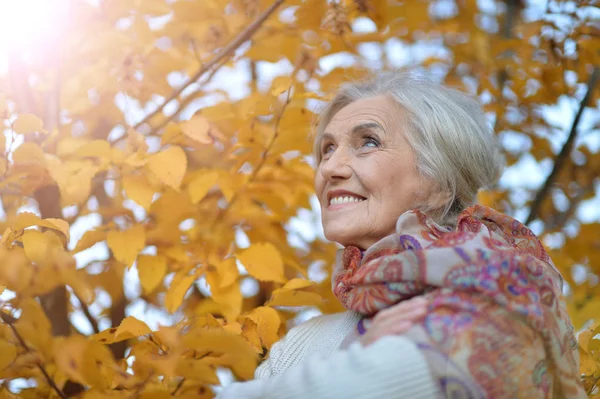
(380, 109)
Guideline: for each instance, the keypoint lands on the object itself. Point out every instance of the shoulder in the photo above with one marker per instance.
(321, 334)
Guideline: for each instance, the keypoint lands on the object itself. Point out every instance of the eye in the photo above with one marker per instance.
(327, 149)
(370, 141)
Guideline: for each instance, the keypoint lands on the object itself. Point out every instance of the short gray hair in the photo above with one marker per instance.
(453, 142)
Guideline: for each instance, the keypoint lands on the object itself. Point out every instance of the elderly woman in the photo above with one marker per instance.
(445, 299)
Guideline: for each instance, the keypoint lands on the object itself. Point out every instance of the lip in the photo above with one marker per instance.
(339, 193)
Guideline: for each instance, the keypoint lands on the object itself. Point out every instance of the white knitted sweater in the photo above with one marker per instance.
(307, 363)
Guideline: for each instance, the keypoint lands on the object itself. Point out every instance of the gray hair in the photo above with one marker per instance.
(453, 143)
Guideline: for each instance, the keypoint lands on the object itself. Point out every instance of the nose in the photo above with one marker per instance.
(337, 166)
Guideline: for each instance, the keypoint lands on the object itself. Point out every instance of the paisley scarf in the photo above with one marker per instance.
(496, 325)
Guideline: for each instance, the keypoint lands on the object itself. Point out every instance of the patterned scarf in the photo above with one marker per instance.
(496, 325)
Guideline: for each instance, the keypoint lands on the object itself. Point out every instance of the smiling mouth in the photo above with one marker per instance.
(346, 199)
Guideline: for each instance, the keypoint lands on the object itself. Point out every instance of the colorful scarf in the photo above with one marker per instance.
(496, 325)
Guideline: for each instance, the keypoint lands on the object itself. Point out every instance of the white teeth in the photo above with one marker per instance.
(343, 200)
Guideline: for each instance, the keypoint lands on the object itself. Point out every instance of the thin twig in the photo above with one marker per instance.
(502, 75)
(263, 156)
(564, 152)
(558, 221)
(50, 381)
(185, 101)
(86, 311)
(229, 49)
(178, 387)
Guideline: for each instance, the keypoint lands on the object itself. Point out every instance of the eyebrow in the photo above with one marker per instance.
(355, 130)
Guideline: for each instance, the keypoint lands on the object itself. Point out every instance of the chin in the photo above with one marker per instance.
(342, 238)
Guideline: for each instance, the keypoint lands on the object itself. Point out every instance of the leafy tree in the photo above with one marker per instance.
(122, 125)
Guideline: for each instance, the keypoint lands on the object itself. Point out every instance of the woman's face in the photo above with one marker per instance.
(367, 176)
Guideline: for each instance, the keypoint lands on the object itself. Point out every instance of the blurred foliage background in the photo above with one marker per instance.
(157, 213)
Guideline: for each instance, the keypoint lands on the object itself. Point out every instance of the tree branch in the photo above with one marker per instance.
(86, 311)
(242, 37)
(565, 151)
(49, 379)
(263, 156)
(185, 101)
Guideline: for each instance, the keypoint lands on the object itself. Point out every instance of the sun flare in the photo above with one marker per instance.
(27, 25)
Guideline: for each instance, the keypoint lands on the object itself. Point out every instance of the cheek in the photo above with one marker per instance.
(319, 184)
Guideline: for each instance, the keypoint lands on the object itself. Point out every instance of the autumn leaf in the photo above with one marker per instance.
(28, 123)
(27, 219)
(90, 238)
(292, 294)
(198, 129)
(169, 166)
(139, 190)
(131, 328)
(151, 270)
(8, 353)
(281, 84)
(85, 361)
(33, 325)
(177, 291)
(263, 261)
(267, 320)
(126, 245)
(37, 245)
(199, 187)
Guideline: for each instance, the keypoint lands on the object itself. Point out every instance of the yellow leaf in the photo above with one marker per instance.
(226, 185)
(151, 270)
(8, 353)
(282, 297)
(268, 321)
(250, 332)
(15, 269)
(291, 295)
(236, 352)
(198, 129)
(199, 187)
(169, 166)
(126, 245)
(33, 325)
(176, 252)
(58, 224)
(139, 190)
(228, 272)
(95, 149)
(225, 289)
(85, 361)
(489, 198)
(28, 123)
(298, 283)
(136, 141)
(36, 245)
(281, 84)
(230, 298)
(131, 327)
(69, 146)
(73, 177)
(176, 292)
(90, 238)
(28, 219)
(29, 153)
(196, 370)
(263, 262)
